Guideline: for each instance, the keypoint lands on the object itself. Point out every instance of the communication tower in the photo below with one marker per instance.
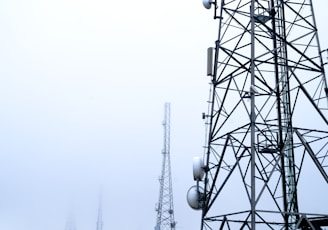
(99, 219)
(164, 209)
(266, 151)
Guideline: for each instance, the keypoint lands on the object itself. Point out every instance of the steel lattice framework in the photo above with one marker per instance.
(267, 118)
(164, 209)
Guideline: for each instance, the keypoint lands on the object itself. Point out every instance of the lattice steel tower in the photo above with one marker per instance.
(164, 209)
(267, 120)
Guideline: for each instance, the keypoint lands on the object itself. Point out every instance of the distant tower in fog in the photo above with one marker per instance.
(164, 209)
(70, 223)
(99, 219)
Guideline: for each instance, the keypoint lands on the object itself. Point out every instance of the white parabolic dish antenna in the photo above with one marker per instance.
(194, 196)
(198, 168)
(207, 4)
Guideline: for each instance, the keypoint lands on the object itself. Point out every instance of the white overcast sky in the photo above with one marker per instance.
(82, 92)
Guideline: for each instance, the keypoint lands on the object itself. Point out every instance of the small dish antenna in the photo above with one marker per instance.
(207, 4)
(194, 197)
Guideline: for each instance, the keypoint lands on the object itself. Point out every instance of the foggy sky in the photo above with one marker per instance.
(82, 92)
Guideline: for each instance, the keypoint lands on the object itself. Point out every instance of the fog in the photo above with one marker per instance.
(82, 92)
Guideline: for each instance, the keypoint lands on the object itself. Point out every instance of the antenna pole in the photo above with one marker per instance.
(99, 220)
